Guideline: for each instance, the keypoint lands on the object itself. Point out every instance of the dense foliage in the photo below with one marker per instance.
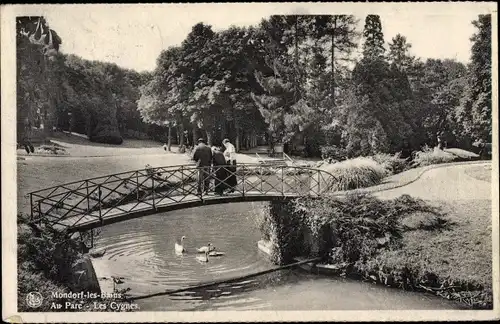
(294, 79)
(46, 259)
(291, 79)
(57, 91)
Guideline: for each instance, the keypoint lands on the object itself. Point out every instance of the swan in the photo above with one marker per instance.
(208, 248)
(179, 248)
(203, 258)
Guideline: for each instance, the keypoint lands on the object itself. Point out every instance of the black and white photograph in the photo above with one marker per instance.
(250, 162)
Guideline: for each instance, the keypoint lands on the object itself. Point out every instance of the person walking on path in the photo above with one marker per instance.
(230, 155)
(202, 155)
(220, 171)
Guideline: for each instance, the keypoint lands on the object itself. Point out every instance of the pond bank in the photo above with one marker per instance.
(441, 245)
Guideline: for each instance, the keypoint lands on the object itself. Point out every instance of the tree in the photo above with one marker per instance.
(373, 46)
(342, 29)
(399, 55)
(275, 75)
(37, 45)
(163, 99)
(474, 114)
(196, 74)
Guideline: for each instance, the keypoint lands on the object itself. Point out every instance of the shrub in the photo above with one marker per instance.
(107, 136)
(30, 281)
(355, 173)
(47, 251)
(429, 156)
(134, 134)
(359, 224)
(333, 152)
(392, 163)
(45, 261)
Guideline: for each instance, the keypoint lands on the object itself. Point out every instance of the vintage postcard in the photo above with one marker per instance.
(250, 162)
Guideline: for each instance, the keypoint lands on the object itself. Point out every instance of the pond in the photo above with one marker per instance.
(142, 251)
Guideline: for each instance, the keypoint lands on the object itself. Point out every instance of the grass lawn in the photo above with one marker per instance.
(461, 252)
(127, 143)
(480, 172)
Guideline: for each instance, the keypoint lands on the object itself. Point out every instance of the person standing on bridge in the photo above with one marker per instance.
(202, 155)
(220, 171)
(230, 155)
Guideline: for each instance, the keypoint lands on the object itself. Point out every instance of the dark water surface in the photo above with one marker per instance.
(142, 251)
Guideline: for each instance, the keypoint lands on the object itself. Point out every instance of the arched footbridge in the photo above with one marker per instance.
(86, 204)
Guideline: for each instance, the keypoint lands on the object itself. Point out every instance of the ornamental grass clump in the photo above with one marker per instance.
(429, 156)
(392, 163)
(354, 173)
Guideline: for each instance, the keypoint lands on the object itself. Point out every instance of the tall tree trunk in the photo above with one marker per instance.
(237, 141)
(169, 138)
(296, 57)
(181, 135)
(49, 109)
(209, 137)
(246, 140)
(195, 135)
(333, 58)
(223, 130)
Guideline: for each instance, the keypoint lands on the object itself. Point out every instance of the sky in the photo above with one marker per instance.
(132, 36)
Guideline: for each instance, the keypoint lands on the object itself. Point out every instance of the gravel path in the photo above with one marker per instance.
(445, 183)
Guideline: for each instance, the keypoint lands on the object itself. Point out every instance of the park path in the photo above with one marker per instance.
(444, 183)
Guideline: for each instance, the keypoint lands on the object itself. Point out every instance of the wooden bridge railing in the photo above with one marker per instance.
(96, 199)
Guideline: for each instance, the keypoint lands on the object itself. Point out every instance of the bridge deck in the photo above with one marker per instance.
(91, 203)
(138, 209)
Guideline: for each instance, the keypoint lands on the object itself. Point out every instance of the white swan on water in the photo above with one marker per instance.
(179, 248)
(203, 258)
(208, 248)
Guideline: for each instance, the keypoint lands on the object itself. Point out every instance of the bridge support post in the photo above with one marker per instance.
(39, 212)
(99, 201)
(319, 184)
(283, 181)
(137, 184)
(243, 179)
(31, 205)
(88, 198)
(153, 191)
(261, 180)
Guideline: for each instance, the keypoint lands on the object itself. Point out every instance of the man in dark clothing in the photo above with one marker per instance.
(220, 171)
(202, 154)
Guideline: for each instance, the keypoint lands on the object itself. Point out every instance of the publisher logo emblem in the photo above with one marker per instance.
(34, 299)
